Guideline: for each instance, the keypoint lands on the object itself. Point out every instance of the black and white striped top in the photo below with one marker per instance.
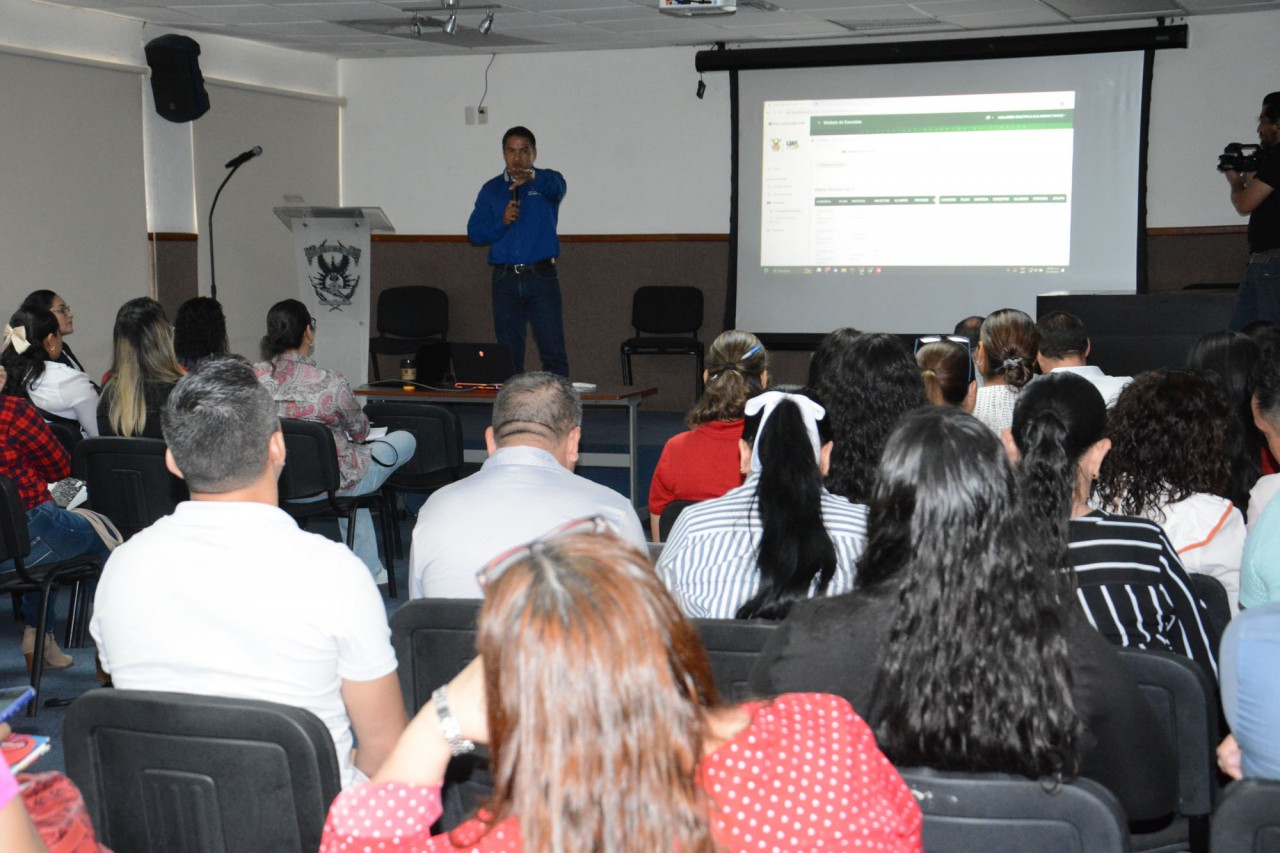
(709, 561)
(1134, 590)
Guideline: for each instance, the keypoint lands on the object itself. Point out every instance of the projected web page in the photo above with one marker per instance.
(853, 185)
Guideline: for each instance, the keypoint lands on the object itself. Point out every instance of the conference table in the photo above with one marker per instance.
(626, 397)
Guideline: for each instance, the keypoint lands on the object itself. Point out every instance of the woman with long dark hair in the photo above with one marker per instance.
(1130, 583)
(199, 331)
(144, 370)
(1169, 463)
(947, 367)
(30, 356)
(960, 646)
(605, 734)
(1232, 358)
(778, 538)
(703, 463)
(305, 391)
(866, 382)
(47, 300)
(1006, 358)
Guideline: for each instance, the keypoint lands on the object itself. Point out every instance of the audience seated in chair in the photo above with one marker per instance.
(1168, 462)
(144, 370)
(1231, 358)
(199, 331)
(780, 537)
(304, 391)
(959, 646)
(47, 300)
(526, 487)
(866, 382)
(946, 366)
(1064, 348)
(1129, 581)
(1006, 358)
(228, 597)
(1265, 408)
(703, 462)
(1251, 694)
(597, 703)
(30, 356)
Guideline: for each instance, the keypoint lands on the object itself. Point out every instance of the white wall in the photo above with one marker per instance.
(1201, 99)
(643, 155)
(640, 152)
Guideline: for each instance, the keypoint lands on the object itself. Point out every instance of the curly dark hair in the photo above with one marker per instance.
(199, 331)
(975, 674)
(1231, 358)
(866, 382)
(1168, 435)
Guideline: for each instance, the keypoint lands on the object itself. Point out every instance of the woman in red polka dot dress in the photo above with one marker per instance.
(596, 699)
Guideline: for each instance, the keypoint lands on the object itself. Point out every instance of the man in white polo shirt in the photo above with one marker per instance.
(1064, 345)
(227, 597)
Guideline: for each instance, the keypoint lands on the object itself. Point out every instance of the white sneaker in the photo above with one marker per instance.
(381, 577)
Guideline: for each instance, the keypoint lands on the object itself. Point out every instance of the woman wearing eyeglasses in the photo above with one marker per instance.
(305, 391)
(31, 355)
(50, 301)
(605, 733)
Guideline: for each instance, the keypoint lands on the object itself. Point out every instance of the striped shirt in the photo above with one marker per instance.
(1134, 590)
(709, 561)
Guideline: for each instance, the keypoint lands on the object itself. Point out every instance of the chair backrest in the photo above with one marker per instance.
(670, 513)
(128, 480)
(68, 436)
(438, 459)
(413, 312)
(1247, 819)
(434, 639)
(15, 543)
(175, 773)
(1186, 702)
(667, 310)
(1210, 590)
(997, 813)
(311, 460)
(733, 646)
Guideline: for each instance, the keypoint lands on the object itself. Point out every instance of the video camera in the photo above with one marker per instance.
(1239, 157)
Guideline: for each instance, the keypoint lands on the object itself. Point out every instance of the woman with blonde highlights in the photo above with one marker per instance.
(596, 699)
(144, 370)
(703, 463)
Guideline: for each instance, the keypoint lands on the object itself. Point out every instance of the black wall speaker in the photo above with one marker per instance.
(176, 82)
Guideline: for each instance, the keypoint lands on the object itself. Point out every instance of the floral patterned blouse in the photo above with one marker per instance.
(306, 392)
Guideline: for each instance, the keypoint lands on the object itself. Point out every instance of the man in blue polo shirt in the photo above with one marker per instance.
(515, 216)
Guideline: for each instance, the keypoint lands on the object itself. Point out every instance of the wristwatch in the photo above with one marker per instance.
(458, 745)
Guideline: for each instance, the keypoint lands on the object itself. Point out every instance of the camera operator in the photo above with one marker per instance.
(1251, 194)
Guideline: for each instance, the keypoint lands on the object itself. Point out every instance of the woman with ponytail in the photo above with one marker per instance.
(780, 537)
(1007, 347)
(1129, 581)
(703, 463)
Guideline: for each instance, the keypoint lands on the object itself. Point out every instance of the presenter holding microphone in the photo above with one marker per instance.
(515, 216)
(1253, 195)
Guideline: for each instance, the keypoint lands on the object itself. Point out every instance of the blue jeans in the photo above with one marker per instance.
(56, 535)
(389, 453)
(530, 298)
(1259, 295)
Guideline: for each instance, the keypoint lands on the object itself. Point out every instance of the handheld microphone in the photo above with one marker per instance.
(240, 159)
(515, 195)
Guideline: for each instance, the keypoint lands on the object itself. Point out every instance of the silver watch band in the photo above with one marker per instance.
(458, 745)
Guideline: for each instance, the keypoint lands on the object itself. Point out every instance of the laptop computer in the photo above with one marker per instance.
(481, 365)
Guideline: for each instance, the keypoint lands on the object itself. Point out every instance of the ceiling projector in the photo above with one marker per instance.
(690, 8)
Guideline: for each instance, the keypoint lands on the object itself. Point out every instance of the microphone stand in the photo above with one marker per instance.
(213, 279)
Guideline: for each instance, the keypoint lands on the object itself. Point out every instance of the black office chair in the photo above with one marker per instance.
(408, 318)
(1186, 703)
(1210, 590)
(311, 469)
(68, 435)
(434, 639)
(15, 544)
(177, 773)
(1247, 819)
(733, 646)
(128, 480)
(670, 513)
(437, 461)
(997, 813)
(666, 320)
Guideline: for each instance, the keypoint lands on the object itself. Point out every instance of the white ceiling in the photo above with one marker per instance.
(378, 28)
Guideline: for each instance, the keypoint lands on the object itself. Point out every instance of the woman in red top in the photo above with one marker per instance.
(703, 463)
(597, 702)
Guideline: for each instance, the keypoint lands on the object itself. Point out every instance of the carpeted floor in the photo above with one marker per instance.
(602, 432)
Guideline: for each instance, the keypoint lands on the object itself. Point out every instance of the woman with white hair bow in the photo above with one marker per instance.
(780, 537)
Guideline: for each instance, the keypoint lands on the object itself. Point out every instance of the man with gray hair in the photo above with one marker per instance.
(227, 597)
(526, 488)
